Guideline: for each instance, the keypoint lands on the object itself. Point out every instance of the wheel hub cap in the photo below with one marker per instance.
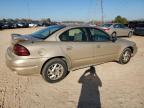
(126, 56)
(55, 71)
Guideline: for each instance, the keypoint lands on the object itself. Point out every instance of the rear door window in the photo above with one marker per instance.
(122, 26)
(74, 35)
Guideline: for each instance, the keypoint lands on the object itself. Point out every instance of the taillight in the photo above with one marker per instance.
(20, 50)
(106, 30)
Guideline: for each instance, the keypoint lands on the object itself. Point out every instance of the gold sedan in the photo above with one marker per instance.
(56, 50)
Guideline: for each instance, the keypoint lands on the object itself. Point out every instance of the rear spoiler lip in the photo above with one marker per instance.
(17, 37)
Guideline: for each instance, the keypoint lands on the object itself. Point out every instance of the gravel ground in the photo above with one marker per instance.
(115, 86)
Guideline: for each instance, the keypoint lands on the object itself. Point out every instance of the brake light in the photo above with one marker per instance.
(106, 30)
(20, 50)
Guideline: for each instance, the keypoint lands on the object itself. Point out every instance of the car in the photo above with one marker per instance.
(33, 25)
(19, 25)
(56, 50)
(139, 29)
(22, 25)
(1, 25)
(7, 25)
(45, 24)
(117, 29)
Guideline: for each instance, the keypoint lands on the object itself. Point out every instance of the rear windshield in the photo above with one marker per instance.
(106, 25)
(46, 32)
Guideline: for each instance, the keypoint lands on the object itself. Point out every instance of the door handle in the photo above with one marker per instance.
(69, 48)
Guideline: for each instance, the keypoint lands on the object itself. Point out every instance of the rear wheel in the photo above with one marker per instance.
(54, 70)
(125, 56)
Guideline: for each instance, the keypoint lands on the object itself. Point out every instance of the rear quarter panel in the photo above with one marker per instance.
(46, 50)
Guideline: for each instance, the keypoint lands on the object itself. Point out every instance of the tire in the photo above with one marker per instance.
(130, 34)
(54, 70)
(114, 34)
(125, 56)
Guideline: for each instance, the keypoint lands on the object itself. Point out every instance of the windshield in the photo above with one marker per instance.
(45, 33)
(106, 25)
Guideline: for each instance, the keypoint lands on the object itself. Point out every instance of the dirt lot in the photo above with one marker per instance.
(116, 86)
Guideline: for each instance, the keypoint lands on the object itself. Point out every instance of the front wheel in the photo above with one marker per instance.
(130, 34)
(54, 70)
(114, 34)
(125, 56)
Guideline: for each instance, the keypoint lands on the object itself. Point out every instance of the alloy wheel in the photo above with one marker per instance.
(55, 71)
(126, 56)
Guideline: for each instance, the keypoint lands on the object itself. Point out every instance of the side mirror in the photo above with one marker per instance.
(113, 38)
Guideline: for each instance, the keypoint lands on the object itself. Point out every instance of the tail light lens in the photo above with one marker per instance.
(20, 50)
(106, 30)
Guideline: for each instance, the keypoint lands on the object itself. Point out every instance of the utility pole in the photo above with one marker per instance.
(102, 16)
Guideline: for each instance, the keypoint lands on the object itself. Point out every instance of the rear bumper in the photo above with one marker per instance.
(22, 66)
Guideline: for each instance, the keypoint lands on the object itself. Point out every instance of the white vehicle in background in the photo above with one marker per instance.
(117, 29)
(33, 25)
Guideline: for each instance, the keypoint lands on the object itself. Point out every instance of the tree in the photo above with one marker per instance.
(49, 20)
(4, 20)
(120, 19)
(125, 21)
(46, 21)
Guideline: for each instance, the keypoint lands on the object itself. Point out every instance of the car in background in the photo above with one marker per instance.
(8, 25)
(117, 29)
(33, 25)
(56, 50)
(22, 25)
(1, 25)
(19, 25)
(139, 29)
(45, 24)
(5, 25)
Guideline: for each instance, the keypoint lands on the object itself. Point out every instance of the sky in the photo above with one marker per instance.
(82, 10)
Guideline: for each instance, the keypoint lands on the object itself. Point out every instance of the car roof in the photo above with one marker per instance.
(113, 23)
(77, 26)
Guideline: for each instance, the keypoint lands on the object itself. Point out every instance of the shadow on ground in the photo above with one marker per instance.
(90, 95)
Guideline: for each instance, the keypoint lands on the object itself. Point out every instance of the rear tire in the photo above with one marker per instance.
(125, 56)
(54, 70)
